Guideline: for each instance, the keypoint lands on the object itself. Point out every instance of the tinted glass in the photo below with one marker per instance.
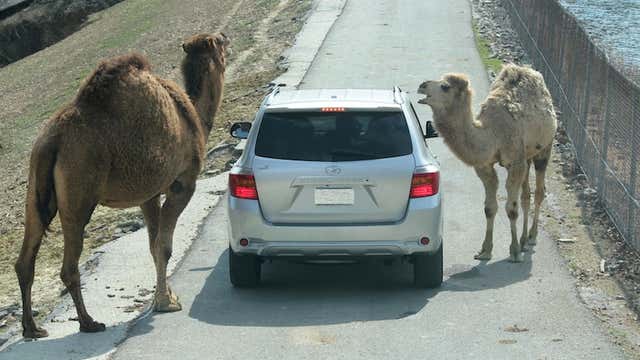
(339, 136)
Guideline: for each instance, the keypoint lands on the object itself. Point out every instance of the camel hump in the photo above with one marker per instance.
(513, 76)
(99, 85)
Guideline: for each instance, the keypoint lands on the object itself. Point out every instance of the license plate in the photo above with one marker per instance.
(334, 197)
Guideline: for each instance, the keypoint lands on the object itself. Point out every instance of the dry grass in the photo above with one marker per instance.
(36, 86)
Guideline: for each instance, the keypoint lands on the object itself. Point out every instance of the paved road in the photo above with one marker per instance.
(370, 311)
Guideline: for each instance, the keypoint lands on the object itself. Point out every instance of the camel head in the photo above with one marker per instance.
(446, 92)
(213, 46)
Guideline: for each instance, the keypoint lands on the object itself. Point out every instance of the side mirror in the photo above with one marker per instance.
(431, 131)
(240, 130)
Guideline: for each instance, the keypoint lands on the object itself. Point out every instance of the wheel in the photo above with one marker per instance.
(427, 269)
(244, 269)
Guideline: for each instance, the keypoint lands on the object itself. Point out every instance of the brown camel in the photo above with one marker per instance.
(128, 137)
(515, 127)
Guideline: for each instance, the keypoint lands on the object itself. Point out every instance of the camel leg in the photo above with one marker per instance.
(525, 202)
(151, 212)
(490, 181)
(177, 199)
(25, 267)
(74, 218)
(540, 163)
(515, 177)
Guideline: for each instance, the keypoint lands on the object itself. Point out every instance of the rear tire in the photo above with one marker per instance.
(427, 269)
(244, 269)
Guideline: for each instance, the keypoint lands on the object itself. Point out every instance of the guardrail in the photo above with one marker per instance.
(599, 107)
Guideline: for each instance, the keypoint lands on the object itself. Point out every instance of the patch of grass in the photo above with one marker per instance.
(138, 18)
(490, 62)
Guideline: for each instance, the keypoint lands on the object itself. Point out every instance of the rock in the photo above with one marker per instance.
(588, 194)
(8, 310)
(4, 338)
(515, 329)
(130, 226)
(18, 313)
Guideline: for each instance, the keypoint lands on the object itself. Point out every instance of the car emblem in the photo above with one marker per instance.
(333, 170)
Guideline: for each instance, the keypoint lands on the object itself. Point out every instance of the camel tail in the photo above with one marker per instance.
(98, 86)
(41, 203)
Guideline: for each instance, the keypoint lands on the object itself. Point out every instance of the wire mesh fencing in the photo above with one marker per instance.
(598, 106)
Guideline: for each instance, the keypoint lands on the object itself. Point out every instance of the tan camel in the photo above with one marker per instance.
(126, 138)
(515, 127)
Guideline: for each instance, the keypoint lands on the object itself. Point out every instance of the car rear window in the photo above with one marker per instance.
(333, 136)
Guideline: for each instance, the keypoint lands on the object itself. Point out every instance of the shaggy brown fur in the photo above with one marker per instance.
(126, 138)
(515, 127)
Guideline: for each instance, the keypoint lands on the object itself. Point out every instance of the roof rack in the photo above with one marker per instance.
(397, 96)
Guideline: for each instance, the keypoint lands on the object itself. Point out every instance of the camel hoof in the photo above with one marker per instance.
(35, 333)
(483, 256)
(167, 303)
(516, 258)
(532, 241)
(92, 327)
(168, 307)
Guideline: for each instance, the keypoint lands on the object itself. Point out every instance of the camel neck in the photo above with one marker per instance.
(204, 83)
(210, 97)
(466, 138)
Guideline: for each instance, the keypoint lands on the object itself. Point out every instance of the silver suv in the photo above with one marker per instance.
(334, 174)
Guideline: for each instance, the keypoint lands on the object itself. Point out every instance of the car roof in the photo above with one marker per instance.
(353, 98)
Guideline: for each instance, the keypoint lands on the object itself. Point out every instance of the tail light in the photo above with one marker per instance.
(243, 186)
(423, 185)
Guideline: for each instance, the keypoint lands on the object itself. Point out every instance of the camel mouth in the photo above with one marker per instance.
(424, 100)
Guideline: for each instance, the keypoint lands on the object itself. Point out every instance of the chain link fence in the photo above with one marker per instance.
(598, 106)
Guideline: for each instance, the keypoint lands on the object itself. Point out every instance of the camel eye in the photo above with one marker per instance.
(444, 87)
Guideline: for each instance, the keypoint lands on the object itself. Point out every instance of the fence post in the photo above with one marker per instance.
(586, 95)
(605, 138)
(634, 169)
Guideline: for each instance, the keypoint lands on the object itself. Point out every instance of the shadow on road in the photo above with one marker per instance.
(294, 294)
(486, 275)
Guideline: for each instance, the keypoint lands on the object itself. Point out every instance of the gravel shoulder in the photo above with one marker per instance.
(605, 268)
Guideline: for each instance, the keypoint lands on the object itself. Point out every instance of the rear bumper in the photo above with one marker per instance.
(423, 218)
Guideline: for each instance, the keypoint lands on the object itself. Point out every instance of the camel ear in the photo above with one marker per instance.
(221, 39)
(212, 42)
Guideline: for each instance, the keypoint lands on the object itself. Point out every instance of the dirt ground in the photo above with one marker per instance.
(34, 87)
(606, 269)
